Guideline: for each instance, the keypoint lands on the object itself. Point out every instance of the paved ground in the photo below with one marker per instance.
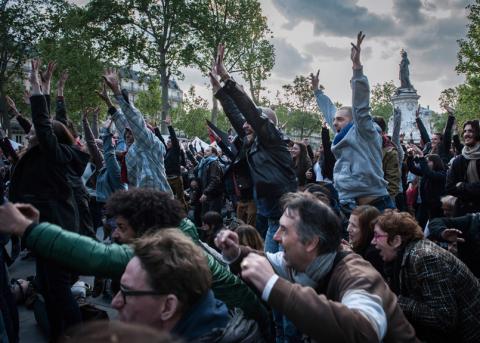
(29, 330)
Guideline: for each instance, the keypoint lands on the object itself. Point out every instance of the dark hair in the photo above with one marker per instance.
(249, 236)
(62, 133)
(399, 223)
(115, 331)
(437, 162)
(366, 214)
(475, 127)
(315, 219)
(303, 161)
(214, 219)
(174, 265)
(71, 127)
(380, 122)
(145, 208)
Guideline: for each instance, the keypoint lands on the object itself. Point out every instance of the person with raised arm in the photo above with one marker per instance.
(264, 148)
(145, 155)
(357, 146)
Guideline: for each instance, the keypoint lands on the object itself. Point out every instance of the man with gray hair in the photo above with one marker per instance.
(357, 146)
(329, 294)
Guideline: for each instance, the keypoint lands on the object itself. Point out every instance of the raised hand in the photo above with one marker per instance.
(315, 80)
(450, 110)
(26, 97)
(417, 112)
(220, 67)
(61, 82)
(356, 50)
(46, 77)
(168, 121)
(103, 94)
(34, 77)
(11, 104)
(111, 79)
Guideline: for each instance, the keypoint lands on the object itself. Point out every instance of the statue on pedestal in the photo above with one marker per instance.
(404, 72)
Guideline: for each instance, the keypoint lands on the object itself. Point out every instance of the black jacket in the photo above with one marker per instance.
(238, 170)
(432, 184)
(40, 176)
(468, 193)
(469, 251)
(268, 158)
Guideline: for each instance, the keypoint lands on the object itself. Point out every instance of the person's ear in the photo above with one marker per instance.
(170, 307)
(396, 242)
(312, 245)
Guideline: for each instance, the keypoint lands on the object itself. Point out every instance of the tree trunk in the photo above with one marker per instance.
(214, 110)
(252, 91)
(165, 105)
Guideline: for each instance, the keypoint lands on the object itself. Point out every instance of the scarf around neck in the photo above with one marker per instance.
(343, 132)
(471, 153)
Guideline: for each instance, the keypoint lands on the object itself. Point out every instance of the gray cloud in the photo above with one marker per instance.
(324, 52)
(408, 12)
(288, 60)
(340, 18)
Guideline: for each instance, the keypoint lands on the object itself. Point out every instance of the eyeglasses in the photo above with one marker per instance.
(377, 235)
(136, 293)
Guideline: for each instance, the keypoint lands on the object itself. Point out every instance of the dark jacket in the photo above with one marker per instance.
(172, 156)
(269, 161)
(438, 294)
(444, 145)
(40, 176)
(212, 180)
(469, 251)
(238, 169)
(468, 194)
(432, 184)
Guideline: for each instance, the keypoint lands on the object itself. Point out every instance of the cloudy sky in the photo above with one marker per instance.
(316, 34)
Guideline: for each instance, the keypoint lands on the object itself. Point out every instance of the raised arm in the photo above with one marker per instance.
(397, 123)
(326, 106)
(111, 163)
(22, 121)
(95, 153)
(60, 108)
(329, 158)
(41, 121)
(421, 127)
(446, 143)
(361, 93)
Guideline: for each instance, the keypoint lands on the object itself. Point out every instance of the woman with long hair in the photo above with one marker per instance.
(301, 162)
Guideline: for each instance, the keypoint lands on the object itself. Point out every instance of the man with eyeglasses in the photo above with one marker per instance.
(167, 286)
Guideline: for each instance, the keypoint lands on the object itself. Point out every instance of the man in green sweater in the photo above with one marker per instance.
(136, 211)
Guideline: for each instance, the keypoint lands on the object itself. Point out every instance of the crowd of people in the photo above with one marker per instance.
(255, 238)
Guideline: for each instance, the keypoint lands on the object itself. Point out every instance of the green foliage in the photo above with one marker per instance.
(302, 116)
(380, 99)
(149, 102)
(467, 95)
(192, 115)
(243, 29)
(23, 24)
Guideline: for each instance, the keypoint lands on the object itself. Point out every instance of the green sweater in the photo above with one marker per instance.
(89, 257)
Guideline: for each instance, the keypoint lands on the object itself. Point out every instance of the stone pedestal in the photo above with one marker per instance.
(407, 101)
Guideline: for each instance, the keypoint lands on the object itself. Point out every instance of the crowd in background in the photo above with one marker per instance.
(255, 237)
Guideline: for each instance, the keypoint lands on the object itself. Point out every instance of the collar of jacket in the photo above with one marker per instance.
(206, 315)
(343, 132)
